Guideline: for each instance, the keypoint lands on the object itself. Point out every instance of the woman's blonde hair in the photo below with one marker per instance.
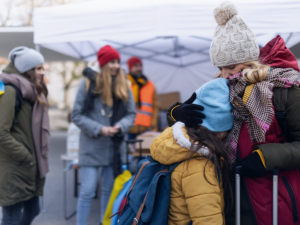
(105, 88)
(256, 72)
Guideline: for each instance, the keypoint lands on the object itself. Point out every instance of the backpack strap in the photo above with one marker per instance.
(87, 84)
(19, 101)
(139, 213)
(219, 174)
(133, 183)
(173, 166)
(280, 100)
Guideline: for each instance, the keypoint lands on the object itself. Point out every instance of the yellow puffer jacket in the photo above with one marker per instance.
(192, 197)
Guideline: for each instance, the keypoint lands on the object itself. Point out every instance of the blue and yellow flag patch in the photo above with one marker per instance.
(2, 88)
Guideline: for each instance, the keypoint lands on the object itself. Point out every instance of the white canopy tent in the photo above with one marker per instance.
(171, 36)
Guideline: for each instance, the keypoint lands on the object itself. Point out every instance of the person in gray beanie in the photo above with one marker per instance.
(25, 59)
(24, 136)
(265, 96)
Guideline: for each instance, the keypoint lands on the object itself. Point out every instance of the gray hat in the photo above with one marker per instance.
(25, 59)
(233, 41)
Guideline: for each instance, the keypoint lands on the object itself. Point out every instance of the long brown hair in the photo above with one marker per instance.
(218, 154)
(105, 88)
(41, 87)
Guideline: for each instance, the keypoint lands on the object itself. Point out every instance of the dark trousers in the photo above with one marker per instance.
(21, 213)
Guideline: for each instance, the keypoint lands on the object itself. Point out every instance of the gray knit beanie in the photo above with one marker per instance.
(233, 41)
(25, 59)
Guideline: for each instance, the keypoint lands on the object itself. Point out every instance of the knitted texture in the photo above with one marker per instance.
(25, 59)
(132, 61)
(233, 41)
(214, 97)
(107, 54)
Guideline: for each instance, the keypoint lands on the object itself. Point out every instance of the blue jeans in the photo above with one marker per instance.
(89, 180)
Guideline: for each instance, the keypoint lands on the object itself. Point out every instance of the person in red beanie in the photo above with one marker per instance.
(145, 98)
(104, 110)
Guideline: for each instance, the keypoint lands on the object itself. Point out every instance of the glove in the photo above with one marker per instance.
(252, 166)
(188, 113)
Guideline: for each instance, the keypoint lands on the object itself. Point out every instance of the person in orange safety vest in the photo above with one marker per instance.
(145, 98)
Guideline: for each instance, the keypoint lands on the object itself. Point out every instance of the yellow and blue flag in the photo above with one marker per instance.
(2, 87)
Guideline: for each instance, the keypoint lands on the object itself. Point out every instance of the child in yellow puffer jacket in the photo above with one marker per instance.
(196, 193)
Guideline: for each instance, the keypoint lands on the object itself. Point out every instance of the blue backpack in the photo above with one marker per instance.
(149, 195)
(153, 180)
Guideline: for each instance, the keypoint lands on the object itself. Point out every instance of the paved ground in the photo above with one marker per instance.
(53, 200)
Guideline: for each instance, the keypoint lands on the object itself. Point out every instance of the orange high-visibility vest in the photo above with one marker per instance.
(144, 114)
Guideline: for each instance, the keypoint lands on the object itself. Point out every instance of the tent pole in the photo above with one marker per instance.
(38, 48)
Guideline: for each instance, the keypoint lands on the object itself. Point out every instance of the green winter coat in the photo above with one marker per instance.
(19, 178)
(280, 156)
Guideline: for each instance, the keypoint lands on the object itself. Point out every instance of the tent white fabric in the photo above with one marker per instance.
(172, 36)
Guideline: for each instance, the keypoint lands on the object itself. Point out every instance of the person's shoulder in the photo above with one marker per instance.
(84, 84)
(196, 165)
(150, 83)
(10, 91)
(293, 96)
(9, 95)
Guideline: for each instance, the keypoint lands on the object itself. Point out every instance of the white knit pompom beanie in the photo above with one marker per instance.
(233, 41)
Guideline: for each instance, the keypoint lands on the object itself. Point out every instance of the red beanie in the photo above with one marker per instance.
(132, 61)
(106, 54)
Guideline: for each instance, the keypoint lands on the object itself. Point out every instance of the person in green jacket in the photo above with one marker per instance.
(24, 136)
(266, 131)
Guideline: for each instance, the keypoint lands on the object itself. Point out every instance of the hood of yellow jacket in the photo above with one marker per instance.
(173, 145)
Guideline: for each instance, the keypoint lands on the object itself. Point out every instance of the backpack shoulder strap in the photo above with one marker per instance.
(219, 174)
(87, 84)
(19, 101)
(280, 99)
(173, 166)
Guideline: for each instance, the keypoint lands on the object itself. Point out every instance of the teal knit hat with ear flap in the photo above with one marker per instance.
(214, 97)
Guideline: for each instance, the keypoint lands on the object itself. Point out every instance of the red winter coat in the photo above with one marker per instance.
(260, 189)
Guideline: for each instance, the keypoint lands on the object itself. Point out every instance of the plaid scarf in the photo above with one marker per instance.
(253, 104)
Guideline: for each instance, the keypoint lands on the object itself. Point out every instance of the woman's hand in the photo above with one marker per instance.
(109, 131)
(105, 131)
(252, 166)
(114, 130)
(188, 113)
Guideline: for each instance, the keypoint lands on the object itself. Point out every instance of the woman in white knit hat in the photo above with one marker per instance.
(265, 96)
(24, 136)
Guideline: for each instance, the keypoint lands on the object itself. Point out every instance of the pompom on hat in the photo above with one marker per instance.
(106, 54)
(224, 12)
(233, 41)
